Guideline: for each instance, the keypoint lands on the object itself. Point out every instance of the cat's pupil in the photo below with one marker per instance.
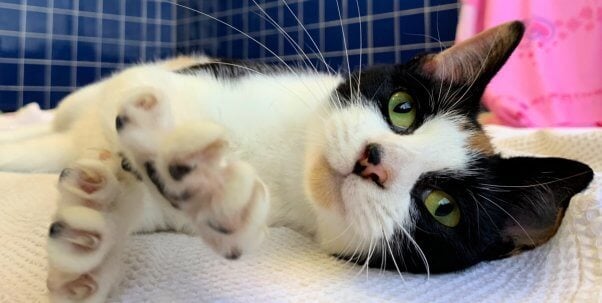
(445, 208)
(403, 108)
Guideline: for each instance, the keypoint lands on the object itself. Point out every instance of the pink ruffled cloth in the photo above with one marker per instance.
(554, 78)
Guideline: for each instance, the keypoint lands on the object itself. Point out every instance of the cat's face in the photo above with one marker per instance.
(401, 174)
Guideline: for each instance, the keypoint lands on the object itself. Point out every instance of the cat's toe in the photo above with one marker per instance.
(225, 198)
(88, 183)
(71, 288)
(140, 120)
(78, 239)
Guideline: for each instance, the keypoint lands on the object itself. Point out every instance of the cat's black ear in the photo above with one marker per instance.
(476, 59)
(531, 195)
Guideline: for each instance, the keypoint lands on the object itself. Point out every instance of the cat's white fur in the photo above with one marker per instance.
(289, 162)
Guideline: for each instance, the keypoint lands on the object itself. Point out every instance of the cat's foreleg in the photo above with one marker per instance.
(98, 206)
(47, 153)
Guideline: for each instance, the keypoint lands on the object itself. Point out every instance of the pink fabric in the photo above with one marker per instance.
(554, 78)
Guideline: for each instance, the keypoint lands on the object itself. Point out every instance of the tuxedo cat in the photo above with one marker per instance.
(386, 166)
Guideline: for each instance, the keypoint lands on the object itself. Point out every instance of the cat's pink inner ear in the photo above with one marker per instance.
(478, 57)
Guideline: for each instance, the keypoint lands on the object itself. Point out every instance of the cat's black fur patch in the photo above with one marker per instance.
(151, 172)
(229, 69)
(531, 192)
(506, 205)
(178, 171)
(127, 166)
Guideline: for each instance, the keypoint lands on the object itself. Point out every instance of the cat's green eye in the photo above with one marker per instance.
(443, 208)
(402, 111)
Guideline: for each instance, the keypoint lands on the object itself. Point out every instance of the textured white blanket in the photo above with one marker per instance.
(169, 267)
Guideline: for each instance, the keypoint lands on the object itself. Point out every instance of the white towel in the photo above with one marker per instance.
(166, 267)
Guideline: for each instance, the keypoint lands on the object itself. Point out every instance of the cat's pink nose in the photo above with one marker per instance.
(369, 165)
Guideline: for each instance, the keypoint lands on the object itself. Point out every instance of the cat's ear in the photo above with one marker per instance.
(476, 59)
(531, 194)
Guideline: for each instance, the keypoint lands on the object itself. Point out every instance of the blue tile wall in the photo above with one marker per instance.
(384, 31)
(48, 48)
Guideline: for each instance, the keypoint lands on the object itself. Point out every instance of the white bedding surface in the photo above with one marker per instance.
(168, 267)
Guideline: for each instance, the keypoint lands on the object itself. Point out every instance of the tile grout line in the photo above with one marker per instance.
(75, 32)
(99, 8)
(21, 64)
(48, 67)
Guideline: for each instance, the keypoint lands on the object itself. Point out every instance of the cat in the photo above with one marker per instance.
(386, 166)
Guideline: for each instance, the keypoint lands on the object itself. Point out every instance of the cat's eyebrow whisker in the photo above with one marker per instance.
(477, 205)
(511, 217)
(537, 184)
(484, 210)
(425, 88)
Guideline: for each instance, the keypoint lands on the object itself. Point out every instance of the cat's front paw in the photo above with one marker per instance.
(224, 197)
(83, 240)
(190, 165)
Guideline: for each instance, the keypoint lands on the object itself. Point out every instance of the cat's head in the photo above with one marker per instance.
(400, 172)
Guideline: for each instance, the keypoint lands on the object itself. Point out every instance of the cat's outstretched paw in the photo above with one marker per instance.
(223, 196)
(86, 229)
(191, 167)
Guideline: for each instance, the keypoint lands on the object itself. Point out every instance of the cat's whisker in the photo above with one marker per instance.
(425, 88)
(367, 261)
(537, 184)
(419, 250)
(477, 207)
(484, 210)
(259, 73)
(295, 45)
(390, 251)
(339, 235)
(239, 31)
(270, 51)
(359, 80)
(511, 217)
(317, 49)
(383, 259)
(356, 251)
(264, 15)
(345, 46)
